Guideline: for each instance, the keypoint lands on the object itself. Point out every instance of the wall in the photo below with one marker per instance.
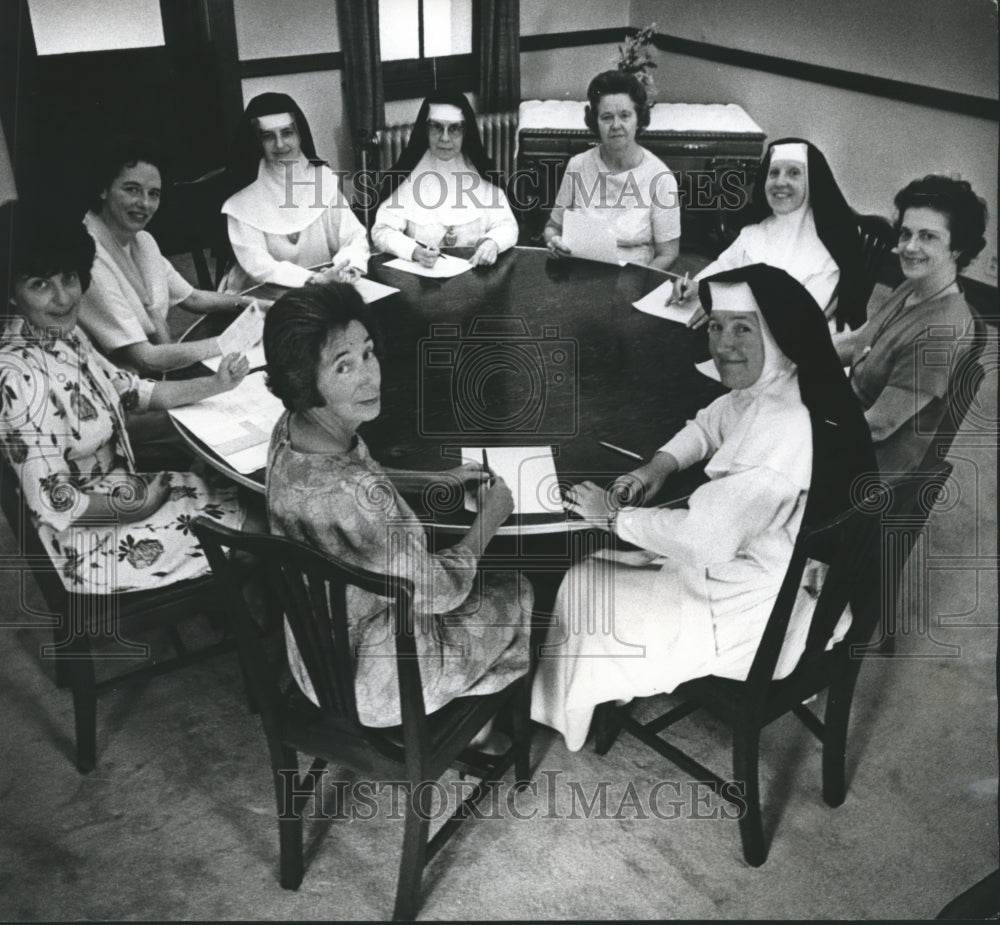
(302, 27)
(874, 145)
(563, 73)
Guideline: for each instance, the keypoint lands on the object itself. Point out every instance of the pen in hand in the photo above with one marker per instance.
(679, 291)
(487, 469)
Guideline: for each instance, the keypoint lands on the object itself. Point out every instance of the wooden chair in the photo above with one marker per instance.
(190, 221)
(847, 545)
(310, 589)
(88, 628)
(878, 238)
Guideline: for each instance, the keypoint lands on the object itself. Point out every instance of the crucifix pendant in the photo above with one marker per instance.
(450, 237)
(294, 237)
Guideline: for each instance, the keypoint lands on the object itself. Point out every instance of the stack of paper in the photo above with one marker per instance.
(235, 425)
(590, 237)
(244, 336)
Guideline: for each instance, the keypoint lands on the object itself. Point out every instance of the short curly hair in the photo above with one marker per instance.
(609, 82)
(965, 211)
(121, 152)
(297, 328)
(45, 244)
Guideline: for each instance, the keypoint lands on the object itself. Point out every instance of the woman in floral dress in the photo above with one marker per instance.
(106, 527)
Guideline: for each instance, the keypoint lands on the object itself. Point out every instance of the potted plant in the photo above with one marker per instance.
(634, 57)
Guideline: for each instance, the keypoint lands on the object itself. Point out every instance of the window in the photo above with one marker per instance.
(426, 44)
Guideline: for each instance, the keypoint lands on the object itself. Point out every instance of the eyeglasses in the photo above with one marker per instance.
(442, 129)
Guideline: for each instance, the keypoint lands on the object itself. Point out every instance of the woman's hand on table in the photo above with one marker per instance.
(232, 370)
(426, 256)
(634, 488)
(341, 272)
(486, 253)
(557, 247)
(590, 502)
(496, 503)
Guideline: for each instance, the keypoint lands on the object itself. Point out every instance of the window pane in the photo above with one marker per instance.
(447, 27)
(398, 29)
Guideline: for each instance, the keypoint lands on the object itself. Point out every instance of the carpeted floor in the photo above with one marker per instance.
(177, 820)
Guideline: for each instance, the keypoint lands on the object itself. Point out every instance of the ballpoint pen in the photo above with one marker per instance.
(486, 467)
(618, 449)
(684, 282)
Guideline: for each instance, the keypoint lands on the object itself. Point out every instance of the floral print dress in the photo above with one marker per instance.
(472, 625)
(62, 428)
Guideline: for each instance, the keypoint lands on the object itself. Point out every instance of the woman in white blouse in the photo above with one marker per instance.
(290, 223)
(439, 194)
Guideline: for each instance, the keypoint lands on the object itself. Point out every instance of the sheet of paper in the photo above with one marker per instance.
(530, 474)
(245, 332)
(590, 237)
(237, 424)
(371, 291)
(444, 267)
(255, 355)
(654, 303)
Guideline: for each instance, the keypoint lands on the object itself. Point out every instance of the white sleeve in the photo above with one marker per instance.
(351, 240)
(722, 516)
(250, 249)
(501, 225)
(732, 257)
(389, 231)
(699, 438)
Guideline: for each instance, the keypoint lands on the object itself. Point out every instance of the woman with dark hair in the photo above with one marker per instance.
(802, 224)
(619, 181)
(289, 215)
(439, 192)
(125, 309)
(941, 224)
(324, 489)
(106, 527)
(782, 449)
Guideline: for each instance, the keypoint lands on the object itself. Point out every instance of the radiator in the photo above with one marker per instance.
(497, 129)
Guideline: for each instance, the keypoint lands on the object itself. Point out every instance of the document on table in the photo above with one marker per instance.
(237, 424)
(590, 237)
(708, 368)
(242, 336)
(371, 291)
(655, 303)
(530, 474)
(444, 267)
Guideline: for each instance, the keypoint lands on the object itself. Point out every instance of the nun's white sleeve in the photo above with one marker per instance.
(731, 258)
(699, 438)
(501, 225)
(345, 235)
(250, 249)
(823, 284)
(722, 517)
(389, 231)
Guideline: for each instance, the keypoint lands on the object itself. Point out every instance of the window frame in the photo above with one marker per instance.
(410, 78)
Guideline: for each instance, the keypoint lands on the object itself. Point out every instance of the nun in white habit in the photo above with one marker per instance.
(293, 216)
(694, 600)
(804, 226)
(438, 194)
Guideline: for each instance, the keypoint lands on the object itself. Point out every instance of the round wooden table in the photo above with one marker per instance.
(529, 352)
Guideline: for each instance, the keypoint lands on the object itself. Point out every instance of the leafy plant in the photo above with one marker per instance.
(634, 56)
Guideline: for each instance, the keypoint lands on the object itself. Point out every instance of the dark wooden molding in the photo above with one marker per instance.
(964, 104)
(555, 40)
(292, 64)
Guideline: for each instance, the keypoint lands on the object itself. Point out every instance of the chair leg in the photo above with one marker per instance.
(80, 671)
(838, 713)
(291, 865)
(521, 727)
(411, 865)
(606, 727)
(746, 746)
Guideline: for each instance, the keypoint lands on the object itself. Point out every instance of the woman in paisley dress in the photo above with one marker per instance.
(106, 527)
(324, 489)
